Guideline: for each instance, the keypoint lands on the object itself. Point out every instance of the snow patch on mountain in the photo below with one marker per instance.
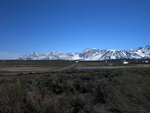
(92, 54)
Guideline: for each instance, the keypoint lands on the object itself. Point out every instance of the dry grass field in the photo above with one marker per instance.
(11, 67)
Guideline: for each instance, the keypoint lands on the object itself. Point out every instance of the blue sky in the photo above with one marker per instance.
(72, 25)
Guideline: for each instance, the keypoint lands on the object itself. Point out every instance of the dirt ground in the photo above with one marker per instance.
(13, 67)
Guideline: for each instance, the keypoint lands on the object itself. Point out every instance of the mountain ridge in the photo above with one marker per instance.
(92, 54)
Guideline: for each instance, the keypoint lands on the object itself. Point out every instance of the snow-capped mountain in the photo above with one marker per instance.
(92, 54)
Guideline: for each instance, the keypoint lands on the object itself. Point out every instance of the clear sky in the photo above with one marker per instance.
(72, 25)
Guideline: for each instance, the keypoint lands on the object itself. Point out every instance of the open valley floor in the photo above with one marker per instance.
(60, 87)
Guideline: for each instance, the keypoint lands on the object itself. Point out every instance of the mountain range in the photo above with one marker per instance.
(92, 54)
